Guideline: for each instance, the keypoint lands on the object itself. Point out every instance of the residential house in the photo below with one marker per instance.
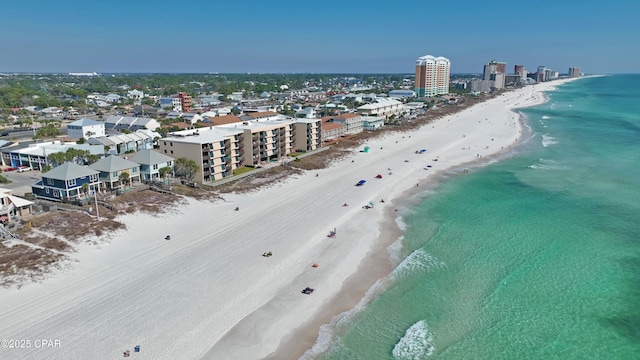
(173, 103)
(111, 167)
(331, 130)
(385, 107)
(122, 143)
(113, 98)
(306, 113)
(51, 112)
(261, 115)
(352, 122)
(151, 162)
(235, 96)
(402, 94)
(338, 98)
(12, 206)
(221, 111)
(372, 122)
(65, 183)
(116, 122)
(85, 128)
(219, 120)
(135, 94)
(208, 100)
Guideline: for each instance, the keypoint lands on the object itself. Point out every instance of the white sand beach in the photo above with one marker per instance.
(208, 293)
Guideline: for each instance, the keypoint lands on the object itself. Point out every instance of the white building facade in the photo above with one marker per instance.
(85, 128)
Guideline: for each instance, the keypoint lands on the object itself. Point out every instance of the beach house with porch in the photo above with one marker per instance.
(151, 162)
(12, 206)
(65, 183)
(110, 169)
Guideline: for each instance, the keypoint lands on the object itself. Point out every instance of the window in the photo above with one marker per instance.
(155, 166)
(169, 163)
(134, 170)
(170, 144)
(172, 151)
(50, 181)
(114, 174)
(46, 190)
(56, 193)
(165, 151)
(71, 182)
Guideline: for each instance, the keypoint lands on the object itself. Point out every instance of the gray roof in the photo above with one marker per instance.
(150, 157)
(113, 163)
(86, 122)
(69, 171)
(128, 120)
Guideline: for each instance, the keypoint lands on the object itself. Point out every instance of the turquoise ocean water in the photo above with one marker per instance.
(534, 257)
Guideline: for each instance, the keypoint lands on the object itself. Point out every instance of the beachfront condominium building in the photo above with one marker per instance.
(542, 74)
(495, 72)
(219, 149)
(216, 152)
(306, 134)
(520, 70)
(432, 76)
(574, 72)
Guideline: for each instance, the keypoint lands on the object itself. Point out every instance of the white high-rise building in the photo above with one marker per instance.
(432, 76)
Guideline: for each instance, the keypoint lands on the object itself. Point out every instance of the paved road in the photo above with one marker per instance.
(21, 182)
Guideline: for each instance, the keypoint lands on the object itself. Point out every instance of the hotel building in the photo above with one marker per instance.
(432, 76)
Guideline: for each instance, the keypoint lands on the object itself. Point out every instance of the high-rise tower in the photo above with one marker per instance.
(432, 76)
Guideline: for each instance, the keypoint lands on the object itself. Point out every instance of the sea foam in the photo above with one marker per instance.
(416, 344)
(417, 261)
(328, 338)
(395, 250)
(545, 117)
(548, 140)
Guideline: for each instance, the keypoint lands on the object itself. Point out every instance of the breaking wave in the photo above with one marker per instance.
(416, 344)
(545, 117)
(547, 164)
(417, 261)
(548, 140)
(328, 338)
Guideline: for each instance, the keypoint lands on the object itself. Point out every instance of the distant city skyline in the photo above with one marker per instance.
(306, 37)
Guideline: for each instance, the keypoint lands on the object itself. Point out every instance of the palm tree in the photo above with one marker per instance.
(85, 189)
(164, 171)
(186, 168)
(123, 177)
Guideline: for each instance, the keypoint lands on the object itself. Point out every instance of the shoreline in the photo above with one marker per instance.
(305, 342)
(208, 293)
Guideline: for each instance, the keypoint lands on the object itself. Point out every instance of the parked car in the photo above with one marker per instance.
(24, 168)
(9, 169)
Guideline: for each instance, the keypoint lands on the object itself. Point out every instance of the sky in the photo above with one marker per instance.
(283, 36)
